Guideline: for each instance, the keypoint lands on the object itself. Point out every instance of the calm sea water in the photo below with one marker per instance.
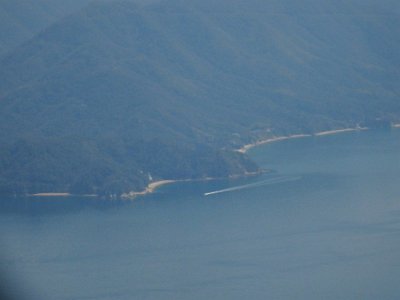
(325, 224)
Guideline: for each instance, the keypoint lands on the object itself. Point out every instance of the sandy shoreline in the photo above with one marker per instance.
(55, 194)
(153, 186)
(247, 147)
(329, 132)
(51, 195)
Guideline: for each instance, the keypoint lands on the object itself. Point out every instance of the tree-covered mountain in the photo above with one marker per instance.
(121, 91)
(21, 20)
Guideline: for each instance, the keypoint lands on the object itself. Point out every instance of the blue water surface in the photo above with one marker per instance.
(323, 224)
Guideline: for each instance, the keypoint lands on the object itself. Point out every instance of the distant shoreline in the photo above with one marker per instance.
(153, 186)
(247, 147)
(156, 184)
(51, 195)
(55, 194)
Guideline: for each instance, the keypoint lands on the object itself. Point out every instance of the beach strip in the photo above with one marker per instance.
(329, 132)
(51, 195)
(247, 147)
(151, 187)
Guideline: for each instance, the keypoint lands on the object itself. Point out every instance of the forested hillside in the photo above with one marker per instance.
(21, 20)
(120, 90)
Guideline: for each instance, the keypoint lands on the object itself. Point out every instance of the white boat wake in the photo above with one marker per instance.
(280, 179)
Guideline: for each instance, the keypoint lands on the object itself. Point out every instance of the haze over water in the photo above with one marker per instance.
(325, 224)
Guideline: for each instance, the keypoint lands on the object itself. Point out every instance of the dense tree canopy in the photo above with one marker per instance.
(98, 100)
